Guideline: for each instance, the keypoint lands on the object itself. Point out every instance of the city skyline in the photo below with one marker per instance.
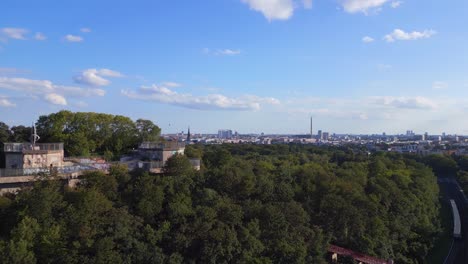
(360, 67)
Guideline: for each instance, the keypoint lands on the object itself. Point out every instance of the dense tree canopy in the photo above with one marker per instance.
(14, 134)
(86, 133)
(248, 204)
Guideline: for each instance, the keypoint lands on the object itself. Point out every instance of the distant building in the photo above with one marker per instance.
(325, 135)
(319, 135)
(160, 151)
(152, 156)
(426, 136)
(225, 134)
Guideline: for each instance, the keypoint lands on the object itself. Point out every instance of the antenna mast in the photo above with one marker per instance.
(34, 136)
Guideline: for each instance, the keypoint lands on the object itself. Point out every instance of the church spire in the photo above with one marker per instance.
(188, 135)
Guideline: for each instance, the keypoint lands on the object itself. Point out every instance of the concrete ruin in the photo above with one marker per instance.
(33, 156)
(152, 156)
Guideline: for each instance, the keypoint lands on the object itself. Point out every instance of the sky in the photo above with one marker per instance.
(355, 66)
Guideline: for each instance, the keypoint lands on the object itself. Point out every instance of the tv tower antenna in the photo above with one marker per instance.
(311, 128)
(34, 136)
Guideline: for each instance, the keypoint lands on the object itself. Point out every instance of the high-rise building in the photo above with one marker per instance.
(325, 135)
(319, 134)
(224, 134)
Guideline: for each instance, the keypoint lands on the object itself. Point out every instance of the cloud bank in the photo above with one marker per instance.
(165, 95)
(73, 38)
(13, 33)
(50, 92)
(4, 102)
(95, 77)
(399, 34)
(364, 6)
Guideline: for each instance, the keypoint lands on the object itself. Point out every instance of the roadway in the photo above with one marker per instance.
(451, 190)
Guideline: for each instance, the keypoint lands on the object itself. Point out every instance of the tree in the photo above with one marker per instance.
(20, 248)
(20, 134)
(147, 131)
(4, 132)
(178, 165)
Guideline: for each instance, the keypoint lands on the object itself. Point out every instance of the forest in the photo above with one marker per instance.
(247, 204)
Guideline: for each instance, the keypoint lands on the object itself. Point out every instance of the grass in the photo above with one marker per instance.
(442, 245)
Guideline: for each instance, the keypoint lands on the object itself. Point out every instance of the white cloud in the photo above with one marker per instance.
(222, 52)
(85, 30)
(47, 89)
(228, 52)
(307, 4)
(11, 71)
(165, 95)
(26, 85)
(399, 34)
(40, 36)
(439, 85)
(94, 77)
(272, 9)
(14, 33)
(355, 6)
(396, 4)
(404, 111)
(80, 104)
(417, 102)
(171, 84)
(55, 99)
(384, 67)
(109, 73)
(72, 38)
(4, 102)
(80, 92)
(367, 39)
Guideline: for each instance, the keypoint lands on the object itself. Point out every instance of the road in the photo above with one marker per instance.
(451, 190)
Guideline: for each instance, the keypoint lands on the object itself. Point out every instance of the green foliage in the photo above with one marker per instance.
(441, 164)
(87, 133)
(178, 165)
(4, 132)
(20, 134)
(147, 131)
(248, 204)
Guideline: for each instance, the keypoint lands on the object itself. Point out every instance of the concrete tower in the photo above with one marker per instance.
(311, 129)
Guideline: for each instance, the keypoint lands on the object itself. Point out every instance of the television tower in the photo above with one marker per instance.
(311, 129)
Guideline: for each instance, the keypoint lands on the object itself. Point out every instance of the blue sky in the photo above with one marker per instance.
(356, 66)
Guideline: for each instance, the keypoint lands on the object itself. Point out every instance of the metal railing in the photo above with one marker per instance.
(20, 147)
